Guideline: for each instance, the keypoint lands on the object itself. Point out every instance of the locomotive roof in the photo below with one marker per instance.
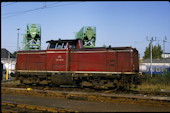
(120, 48)
(63, 41)
(74, 41)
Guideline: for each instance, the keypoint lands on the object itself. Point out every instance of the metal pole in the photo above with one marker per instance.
(151, 52)
(151, 55)
(164, 45)
(18, 40)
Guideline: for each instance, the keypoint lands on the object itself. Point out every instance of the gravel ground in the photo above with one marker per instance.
(82, 106)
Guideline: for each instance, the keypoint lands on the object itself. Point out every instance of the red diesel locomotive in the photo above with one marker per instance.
(66, 62)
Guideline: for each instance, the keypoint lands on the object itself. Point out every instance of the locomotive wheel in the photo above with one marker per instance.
(125, 87)
(100, 83)
(116, 83)
(27, 80)
(108, 84)
(86, 84)
(125, 83)
(21, 80)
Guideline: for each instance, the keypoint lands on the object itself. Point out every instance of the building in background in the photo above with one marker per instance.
(8, 61)
(165, 55)
(159, 66)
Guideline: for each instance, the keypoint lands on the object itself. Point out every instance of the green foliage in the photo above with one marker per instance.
(14, 54)
(147, 52)
(167, 75)
(156, 52)
(162, 79)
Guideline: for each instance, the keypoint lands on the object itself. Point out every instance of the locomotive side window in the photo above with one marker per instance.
(52, 46)
(64, 45)
(59, 45)
(71, 46)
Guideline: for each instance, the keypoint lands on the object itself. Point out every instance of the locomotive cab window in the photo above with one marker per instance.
(64, 45)
(71, 46)
(52, 46)
(61, 46)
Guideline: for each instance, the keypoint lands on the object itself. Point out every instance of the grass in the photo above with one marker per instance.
(155, 87)
(155, 83)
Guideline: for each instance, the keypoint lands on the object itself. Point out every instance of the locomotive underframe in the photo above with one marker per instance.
(98, 80)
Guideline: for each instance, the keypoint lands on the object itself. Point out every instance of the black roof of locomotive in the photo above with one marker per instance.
(63, 41)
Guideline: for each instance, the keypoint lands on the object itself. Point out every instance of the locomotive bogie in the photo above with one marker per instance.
(81, 79)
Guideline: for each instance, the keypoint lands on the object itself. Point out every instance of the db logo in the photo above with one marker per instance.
(59, 56)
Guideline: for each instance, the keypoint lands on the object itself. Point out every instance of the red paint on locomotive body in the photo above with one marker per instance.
(31, 60)
(120, 59)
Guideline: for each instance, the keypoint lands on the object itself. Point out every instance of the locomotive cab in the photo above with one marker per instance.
(64, 44)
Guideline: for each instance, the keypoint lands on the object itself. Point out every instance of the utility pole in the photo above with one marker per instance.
(18, 40)
(151, 40)
(164, 40)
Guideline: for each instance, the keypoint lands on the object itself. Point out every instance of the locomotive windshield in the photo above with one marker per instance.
(57, 46)
(61, 44)
(52, 46)
(72, 46)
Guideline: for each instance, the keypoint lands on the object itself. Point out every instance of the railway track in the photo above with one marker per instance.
(72, 88)
(91, 96)
(12, 107)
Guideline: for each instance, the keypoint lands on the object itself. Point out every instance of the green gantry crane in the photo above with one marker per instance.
(88, 35)
(32, 38)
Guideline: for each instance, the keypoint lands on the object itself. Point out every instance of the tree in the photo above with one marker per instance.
(14, 54)
(156, 52)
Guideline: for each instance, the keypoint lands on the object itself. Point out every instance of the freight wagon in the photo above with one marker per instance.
(66, 62)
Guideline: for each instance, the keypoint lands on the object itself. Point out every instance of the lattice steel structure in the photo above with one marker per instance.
(88, 35)
(32, 38)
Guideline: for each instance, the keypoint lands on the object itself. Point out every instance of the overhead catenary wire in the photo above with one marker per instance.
(129, 42)
(8, 4)
(28, 10)
(22, 12)
(42, 7)
(64, 4)
(53, 4)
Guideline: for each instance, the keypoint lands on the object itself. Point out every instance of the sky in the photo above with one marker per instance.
(118, 23)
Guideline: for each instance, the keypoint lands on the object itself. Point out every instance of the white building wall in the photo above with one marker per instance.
(9, 64)
(165, 55)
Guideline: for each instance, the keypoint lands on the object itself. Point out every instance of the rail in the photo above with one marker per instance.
(91, 96)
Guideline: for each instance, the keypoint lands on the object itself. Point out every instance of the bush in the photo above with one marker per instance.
(162, 79)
